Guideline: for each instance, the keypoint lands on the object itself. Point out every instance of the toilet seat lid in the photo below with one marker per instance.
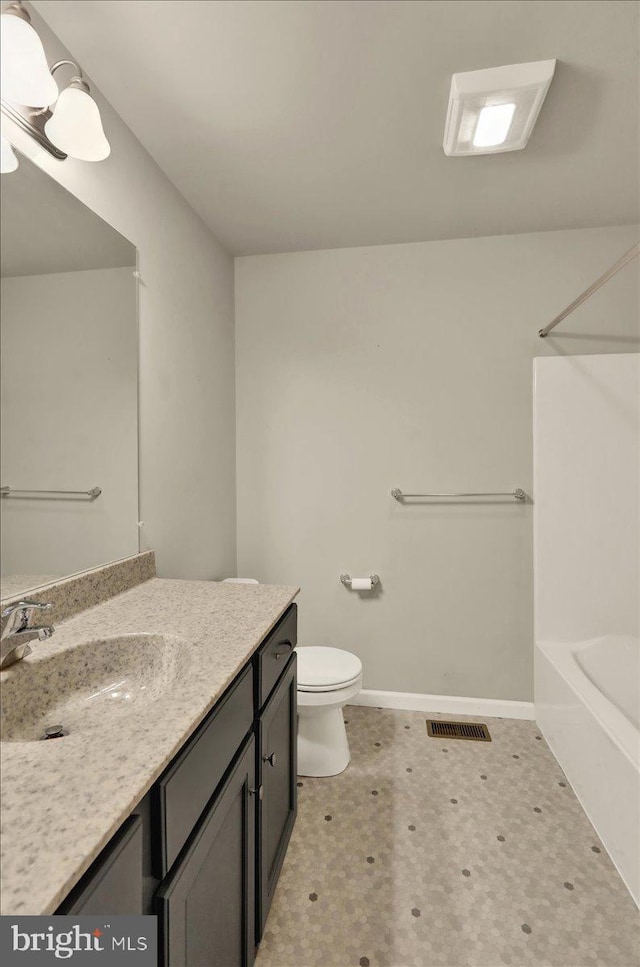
(326, 669)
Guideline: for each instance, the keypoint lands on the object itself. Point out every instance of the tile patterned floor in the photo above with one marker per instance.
(433, 852)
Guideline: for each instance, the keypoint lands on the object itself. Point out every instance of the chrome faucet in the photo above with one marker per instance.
(16, 631)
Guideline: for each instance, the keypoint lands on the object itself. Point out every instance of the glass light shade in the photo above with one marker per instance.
(76, 126)
(25, 77)
(493, 125)
(8, 158)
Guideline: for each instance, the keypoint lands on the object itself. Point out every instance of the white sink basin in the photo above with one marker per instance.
(90, 686)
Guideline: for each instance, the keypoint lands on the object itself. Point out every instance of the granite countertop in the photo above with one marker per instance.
(63, 800)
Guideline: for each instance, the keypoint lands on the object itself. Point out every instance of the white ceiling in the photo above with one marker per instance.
(46, 229)
(303, 124)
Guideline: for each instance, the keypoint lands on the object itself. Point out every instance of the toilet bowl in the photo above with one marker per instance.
(328, 678)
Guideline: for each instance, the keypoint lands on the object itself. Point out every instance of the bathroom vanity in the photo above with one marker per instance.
(204, 848)
(203, 843)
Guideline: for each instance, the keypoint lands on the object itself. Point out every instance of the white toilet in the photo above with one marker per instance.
(328, 678)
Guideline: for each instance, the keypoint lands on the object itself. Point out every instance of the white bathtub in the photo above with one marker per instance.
(588, 707)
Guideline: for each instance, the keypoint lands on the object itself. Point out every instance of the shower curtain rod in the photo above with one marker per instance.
(631, 254)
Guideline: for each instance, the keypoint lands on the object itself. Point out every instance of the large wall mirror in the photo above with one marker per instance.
(69, 382)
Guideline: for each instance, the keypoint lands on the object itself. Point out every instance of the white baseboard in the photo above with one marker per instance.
(453, 704)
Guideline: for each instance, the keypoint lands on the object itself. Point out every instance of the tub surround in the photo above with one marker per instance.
(587, 629)
(63, 800)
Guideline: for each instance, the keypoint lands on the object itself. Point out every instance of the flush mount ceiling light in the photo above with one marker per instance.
(25, 77)
(75, 126)
(495, 110)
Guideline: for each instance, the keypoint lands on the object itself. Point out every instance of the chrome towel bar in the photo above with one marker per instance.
(16, 492)
(517, 494)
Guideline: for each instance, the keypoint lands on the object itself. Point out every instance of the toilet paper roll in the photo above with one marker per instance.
(361, 584)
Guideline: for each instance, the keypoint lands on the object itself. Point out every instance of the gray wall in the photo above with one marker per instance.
(409, 366)
(187, 431)
(68, 377)
(587, 579)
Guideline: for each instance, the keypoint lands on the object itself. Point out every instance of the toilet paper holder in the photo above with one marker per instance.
(346, 580)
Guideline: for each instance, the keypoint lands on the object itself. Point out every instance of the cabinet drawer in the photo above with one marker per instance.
(113, 884)
(274, 653)
(186, 787)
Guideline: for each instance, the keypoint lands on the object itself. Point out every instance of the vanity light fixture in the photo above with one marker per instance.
(8, 158)
(495, 110)
(25, 77)
(76, 126)
(64, 124)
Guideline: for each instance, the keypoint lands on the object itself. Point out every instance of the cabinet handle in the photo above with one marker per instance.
(271, 758)
(258, 791)
(287, 646)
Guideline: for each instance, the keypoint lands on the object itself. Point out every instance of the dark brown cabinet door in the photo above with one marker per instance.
(206, 907)
(113, 884)
(277, 771)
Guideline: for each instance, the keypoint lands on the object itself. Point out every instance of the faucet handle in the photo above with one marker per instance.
(15, 617)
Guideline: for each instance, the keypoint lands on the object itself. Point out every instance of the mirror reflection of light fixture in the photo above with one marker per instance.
(25, 77)
(8, 158)
(76, 126)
